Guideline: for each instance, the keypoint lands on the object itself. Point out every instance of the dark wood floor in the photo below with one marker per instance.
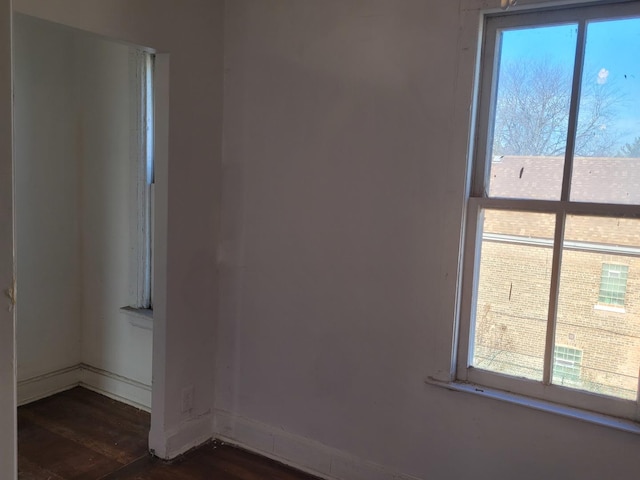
(81, 435)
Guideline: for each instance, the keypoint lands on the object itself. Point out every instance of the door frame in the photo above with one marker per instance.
(8, 431)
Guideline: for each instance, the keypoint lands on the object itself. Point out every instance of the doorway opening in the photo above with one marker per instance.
(84, 213)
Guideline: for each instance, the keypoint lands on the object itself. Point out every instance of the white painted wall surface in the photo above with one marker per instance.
(46, 197)
(191, 33)
(344, 173)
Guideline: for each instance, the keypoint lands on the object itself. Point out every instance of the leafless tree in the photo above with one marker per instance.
(532, 111)
(631, 149)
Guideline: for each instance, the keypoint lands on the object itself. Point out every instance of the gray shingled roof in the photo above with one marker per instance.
(595, 179)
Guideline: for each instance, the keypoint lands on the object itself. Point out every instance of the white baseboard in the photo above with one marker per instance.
(299, 452)
(116, 386)
(109, 384)
(189, 434)
(41, 386)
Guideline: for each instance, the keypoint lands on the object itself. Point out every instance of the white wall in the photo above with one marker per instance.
(46, 199)
(344, 172)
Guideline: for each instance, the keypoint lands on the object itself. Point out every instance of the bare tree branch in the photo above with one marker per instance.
(532, 111)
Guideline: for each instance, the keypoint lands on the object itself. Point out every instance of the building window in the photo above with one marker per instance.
(552, 193)
(613, 284)
(566, 365)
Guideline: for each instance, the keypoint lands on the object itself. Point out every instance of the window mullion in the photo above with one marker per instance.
(564, 196)
(554, 291)
(573, 111)
(572, 127)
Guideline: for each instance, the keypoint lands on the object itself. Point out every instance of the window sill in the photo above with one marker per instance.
(624, 425)
(608, 308)
(139, 317)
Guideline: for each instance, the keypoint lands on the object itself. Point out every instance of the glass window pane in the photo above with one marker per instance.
(531, 112)
(613, 284)
(567, 365)
(607, 154)
(513, 292)
(598, 306)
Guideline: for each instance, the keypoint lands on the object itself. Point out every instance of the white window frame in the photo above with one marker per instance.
(607, 266)
(560, 362)
(142, 168)
(478, 200)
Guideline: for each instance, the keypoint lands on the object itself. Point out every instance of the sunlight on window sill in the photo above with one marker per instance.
(608, 308)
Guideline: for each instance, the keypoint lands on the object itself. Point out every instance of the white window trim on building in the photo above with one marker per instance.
(608, 295)
(520, 390)
(570, 360)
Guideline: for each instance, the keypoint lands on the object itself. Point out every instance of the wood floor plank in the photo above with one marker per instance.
(105, 404)
(56, 454)
(247, 464)
(81, 435)
(185, 468)
(28, 470)
(111, 447)
(113, 429)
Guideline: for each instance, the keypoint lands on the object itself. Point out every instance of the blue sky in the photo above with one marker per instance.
(612, 56)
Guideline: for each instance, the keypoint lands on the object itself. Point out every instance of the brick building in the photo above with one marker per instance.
(597, 338)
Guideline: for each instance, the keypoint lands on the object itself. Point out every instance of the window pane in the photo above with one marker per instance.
(607, 163)
(513, 292)
(567, 363)
(531, 112)
(613, 284)
(598, 313)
